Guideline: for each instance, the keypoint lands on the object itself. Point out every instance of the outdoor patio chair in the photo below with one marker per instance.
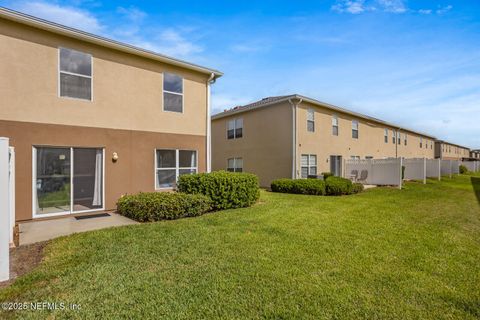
(363, 176)
(354, 175)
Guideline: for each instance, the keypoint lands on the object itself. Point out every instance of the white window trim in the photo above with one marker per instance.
(59, 95)
(334, 116)
(308, 166)
(34, 183)
(358, 129)
(176, 168)
(235, 163)
(312, 112)
(235, 128)
(179, 94)
(385, 135)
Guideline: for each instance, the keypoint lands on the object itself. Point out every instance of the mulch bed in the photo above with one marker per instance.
(23, 259)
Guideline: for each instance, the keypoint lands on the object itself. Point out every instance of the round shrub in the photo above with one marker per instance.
(357, 188)
(227, 190)
(326, 175)
(336, 186)
(463, 169)
(299, 186)
(154, 206)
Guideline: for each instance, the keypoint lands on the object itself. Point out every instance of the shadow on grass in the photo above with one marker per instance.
(476, 187)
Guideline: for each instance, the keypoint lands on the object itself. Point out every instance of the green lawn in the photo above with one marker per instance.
(385, 253)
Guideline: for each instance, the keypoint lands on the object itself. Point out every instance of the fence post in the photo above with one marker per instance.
(439, 170)
(424, 170)
(401, 178)
(4, 212)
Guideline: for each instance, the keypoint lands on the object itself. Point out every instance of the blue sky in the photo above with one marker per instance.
(415, 63)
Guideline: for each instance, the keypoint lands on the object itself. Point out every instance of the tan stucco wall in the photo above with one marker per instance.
(369, 143)
(449, 151)
(266, 145)
(127, 89)
(133, 172)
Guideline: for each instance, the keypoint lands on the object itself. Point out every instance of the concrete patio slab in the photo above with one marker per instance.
(36, 231)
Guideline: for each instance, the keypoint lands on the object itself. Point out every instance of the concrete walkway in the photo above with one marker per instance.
(36, 231)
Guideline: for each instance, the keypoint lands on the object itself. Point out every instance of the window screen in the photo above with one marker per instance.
(75, 74)
(172, 93)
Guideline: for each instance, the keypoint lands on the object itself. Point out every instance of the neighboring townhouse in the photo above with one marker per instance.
(475, 154)
(296, 136)
(450, 151)
(92, 119)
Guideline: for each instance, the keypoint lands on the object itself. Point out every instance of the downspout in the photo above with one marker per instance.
(210, 81)
(294, 136)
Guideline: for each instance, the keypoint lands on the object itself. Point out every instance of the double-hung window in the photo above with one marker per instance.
(75, 74)
(235, 165)
(172, 92)
(393, 136)
(399, 138)
(385, 137)
(355, 129)
(335, 125)
(421, 142)
(308, 165)
(310, 120)
(235, 128)
(172, 163)
(405, 138)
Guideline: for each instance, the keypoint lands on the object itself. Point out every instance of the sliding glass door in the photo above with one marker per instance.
(67, 180)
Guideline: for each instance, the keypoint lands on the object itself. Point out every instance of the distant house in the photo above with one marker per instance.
(91, 118)
(450, 151)
(295, 136)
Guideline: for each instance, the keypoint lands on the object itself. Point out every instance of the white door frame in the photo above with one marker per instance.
(34, 183)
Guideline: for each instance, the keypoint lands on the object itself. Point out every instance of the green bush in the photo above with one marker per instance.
(299, 186)
(463, 169)
(336, 186)
(326, 175)
(226, 189)
(154, 206)
(357, 188)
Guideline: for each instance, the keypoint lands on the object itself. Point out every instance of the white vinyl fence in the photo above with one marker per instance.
(382, 172)
(473, 166)
(434, 168)
(4, 210)
(415, 169)
(456, 166)
(450, 167)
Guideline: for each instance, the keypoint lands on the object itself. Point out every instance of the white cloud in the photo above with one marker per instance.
(425, 11)
(350, 6)
(69, 16)
(133, 14)
(445, 9)
(221, 102)
(395, 6)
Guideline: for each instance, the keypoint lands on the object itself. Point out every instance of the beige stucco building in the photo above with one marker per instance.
(91, 118)
(296, 136)
(450, 151)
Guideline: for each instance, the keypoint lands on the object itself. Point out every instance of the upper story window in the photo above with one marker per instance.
(385, 138)
(335, 125)
(355, 129)
(172, 93)
(421, 142)
(431, 144)
(405, 138)
(310, 120)
(75, 74)
(235, 165)
(393, 137)
(399, 138)
(235, 128)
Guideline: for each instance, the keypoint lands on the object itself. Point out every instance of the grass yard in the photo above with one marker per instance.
(385, 253)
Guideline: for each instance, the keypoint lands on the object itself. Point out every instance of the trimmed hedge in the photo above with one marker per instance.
(463, 169)
(326, 175)
(357, 188)
(299, 186)
(227, 190)
(154, 206)
(336, 186)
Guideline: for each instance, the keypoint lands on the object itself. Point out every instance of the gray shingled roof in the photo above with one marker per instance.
(276, 99)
